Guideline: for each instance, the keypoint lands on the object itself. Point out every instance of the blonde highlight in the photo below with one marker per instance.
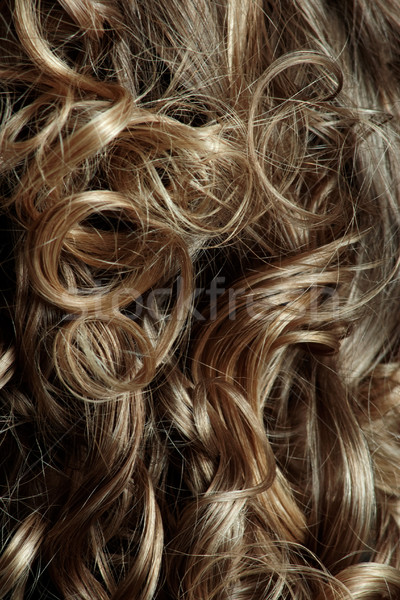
(199, 369)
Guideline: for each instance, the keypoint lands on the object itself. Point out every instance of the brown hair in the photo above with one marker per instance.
(200, 341)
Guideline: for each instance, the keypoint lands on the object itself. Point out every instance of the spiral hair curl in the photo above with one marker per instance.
(200, 363)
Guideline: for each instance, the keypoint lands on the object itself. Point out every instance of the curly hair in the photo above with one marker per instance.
(200, 277)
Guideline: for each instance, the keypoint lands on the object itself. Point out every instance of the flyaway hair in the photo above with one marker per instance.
(200, 308)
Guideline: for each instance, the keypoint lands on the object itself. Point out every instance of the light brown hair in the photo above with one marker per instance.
(200, 277)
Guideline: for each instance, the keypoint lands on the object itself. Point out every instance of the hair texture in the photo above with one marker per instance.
(200, 371)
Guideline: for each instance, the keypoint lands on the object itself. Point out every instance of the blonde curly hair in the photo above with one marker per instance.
(199, 364)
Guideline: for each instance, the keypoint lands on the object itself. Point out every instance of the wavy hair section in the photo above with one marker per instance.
(199, 370)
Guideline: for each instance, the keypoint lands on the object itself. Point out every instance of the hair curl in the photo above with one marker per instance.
(200, 277)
